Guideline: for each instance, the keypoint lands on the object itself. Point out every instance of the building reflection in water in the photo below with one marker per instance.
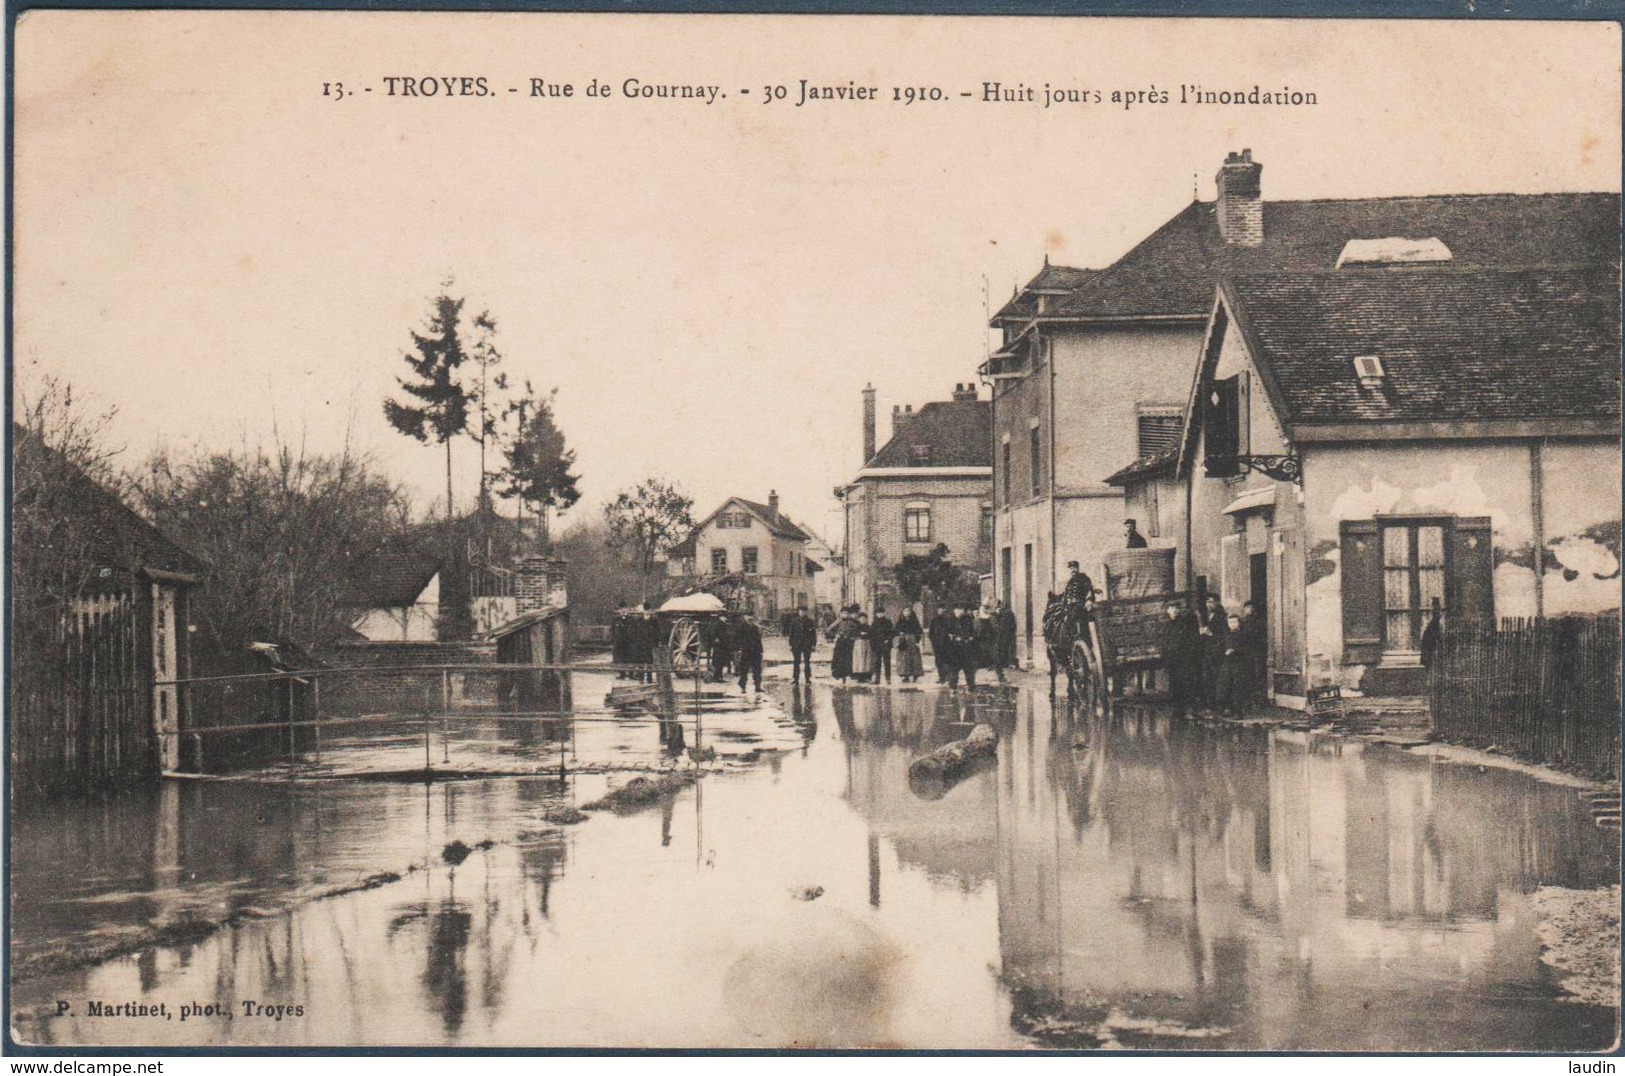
(1173, 884)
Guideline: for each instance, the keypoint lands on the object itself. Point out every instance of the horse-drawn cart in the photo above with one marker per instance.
(688, 625)
(1124, 634)
(1131, 633)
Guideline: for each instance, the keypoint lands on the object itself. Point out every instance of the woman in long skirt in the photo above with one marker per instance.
(910, 665)
(863, 651)
(844, 632)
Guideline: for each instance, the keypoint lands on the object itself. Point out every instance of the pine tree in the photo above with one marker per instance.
(538, 462)
(438, 408)
(484, 394)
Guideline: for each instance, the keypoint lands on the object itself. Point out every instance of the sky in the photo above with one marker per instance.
(206, 241)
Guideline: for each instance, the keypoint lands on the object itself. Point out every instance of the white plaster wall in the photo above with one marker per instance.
(1581, 501)
(1016, 528)
(1101, 373)
(1418, 478)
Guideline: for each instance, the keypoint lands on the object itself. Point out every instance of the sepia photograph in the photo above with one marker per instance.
(746, 532)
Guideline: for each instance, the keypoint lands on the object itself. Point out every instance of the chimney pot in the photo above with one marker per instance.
(1240, 207)
(868, 423)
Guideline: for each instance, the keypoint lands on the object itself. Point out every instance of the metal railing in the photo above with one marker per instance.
(287, 712)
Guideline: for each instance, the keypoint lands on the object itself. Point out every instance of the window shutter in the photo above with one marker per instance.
(1362, 592)
(1472, 573)
(1234, 581)
(1219, 427)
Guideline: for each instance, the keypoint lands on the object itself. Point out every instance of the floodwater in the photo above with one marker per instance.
(1121, 882)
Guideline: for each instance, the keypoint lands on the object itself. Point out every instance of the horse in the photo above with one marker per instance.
(1066, 649)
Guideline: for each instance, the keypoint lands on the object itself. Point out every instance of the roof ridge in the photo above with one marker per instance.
(1437, 268)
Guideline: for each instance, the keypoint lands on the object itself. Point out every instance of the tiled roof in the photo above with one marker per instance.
(777, 522)
(1455, 344)
(114, 534)
(1024, 303)
(781, 524)
(955, 431)
(1146, 467)
(1173, 270)
(388, 580)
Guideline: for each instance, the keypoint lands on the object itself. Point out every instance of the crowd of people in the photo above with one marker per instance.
(882, 650)
(1215, 659)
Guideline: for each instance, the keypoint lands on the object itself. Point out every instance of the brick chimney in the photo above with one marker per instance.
(1241, 205)
(538, 583)
(773, 502)
(868, 423)
(965, 392)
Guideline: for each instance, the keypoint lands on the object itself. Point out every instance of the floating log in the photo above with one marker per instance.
(931, 776)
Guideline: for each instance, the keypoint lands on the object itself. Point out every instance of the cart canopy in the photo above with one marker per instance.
(694, 603)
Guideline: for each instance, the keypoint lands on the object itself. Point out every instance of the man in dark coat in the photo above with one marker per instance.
(986, 646)
(1004, 622)
(722, 647)
(1132, 538)
(645, 631)
(1252, 654)
(966, 659)
(619, 637)
(802, 635)
(1079, 600)
(881, 634)
(1180, 657)
(1213, 626)
(941, 635)
(748, 651)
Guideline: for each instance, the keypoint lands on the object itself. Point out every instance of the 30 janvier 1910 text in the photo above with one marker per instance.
(805, 92)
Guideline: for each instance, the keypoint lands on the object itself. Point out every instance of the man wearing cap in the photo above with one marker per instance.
(1132, 536)
(748, 640)
(1079, 597)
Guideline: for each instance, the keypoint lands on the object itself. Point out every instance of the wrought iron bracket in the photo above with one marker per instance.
(1287, 468)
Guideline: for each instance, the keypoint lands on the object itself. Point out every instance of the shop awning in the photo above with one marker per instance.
(1252, 500)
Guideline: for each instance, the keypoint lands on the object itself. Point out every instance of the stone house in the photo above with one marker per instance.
(929, 485)
(763, 547)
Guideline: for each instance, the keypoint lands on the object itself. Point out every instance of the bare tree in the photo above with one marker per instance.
(284, 530)
(647, 520)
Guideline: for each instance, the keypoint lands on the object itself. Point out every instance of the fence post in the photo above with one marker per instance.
(316, 713)
(445, 715)
(292, 730)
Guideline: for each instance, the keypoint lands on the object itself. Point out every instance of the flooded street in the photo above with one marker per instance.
(1119, 882)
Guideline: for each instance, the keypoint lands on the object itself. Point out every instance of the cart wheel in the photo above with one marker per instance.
(685, 647)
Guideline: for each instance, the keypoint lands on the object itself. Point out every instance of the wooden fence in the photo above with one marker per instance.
(1544, 690)
(79, 706)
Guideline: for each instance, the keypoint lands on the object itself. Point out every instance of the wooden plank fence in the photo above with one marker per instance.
(1544, 690)
(79, 706)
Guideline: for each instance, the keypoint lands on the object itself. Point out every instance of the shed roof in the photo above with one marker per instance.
(114, 535)
(389, 579)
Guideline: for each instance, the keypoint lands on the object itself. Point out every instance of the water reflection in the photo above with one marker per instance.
(1120, 881)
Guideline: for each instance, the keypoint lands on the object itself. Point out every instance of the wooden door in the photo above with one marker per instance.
(165, 668)
(1285, 608)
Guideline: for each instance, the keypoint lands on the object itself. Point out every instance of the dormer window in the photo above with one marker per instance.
(1368, 368)
(920, 455)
